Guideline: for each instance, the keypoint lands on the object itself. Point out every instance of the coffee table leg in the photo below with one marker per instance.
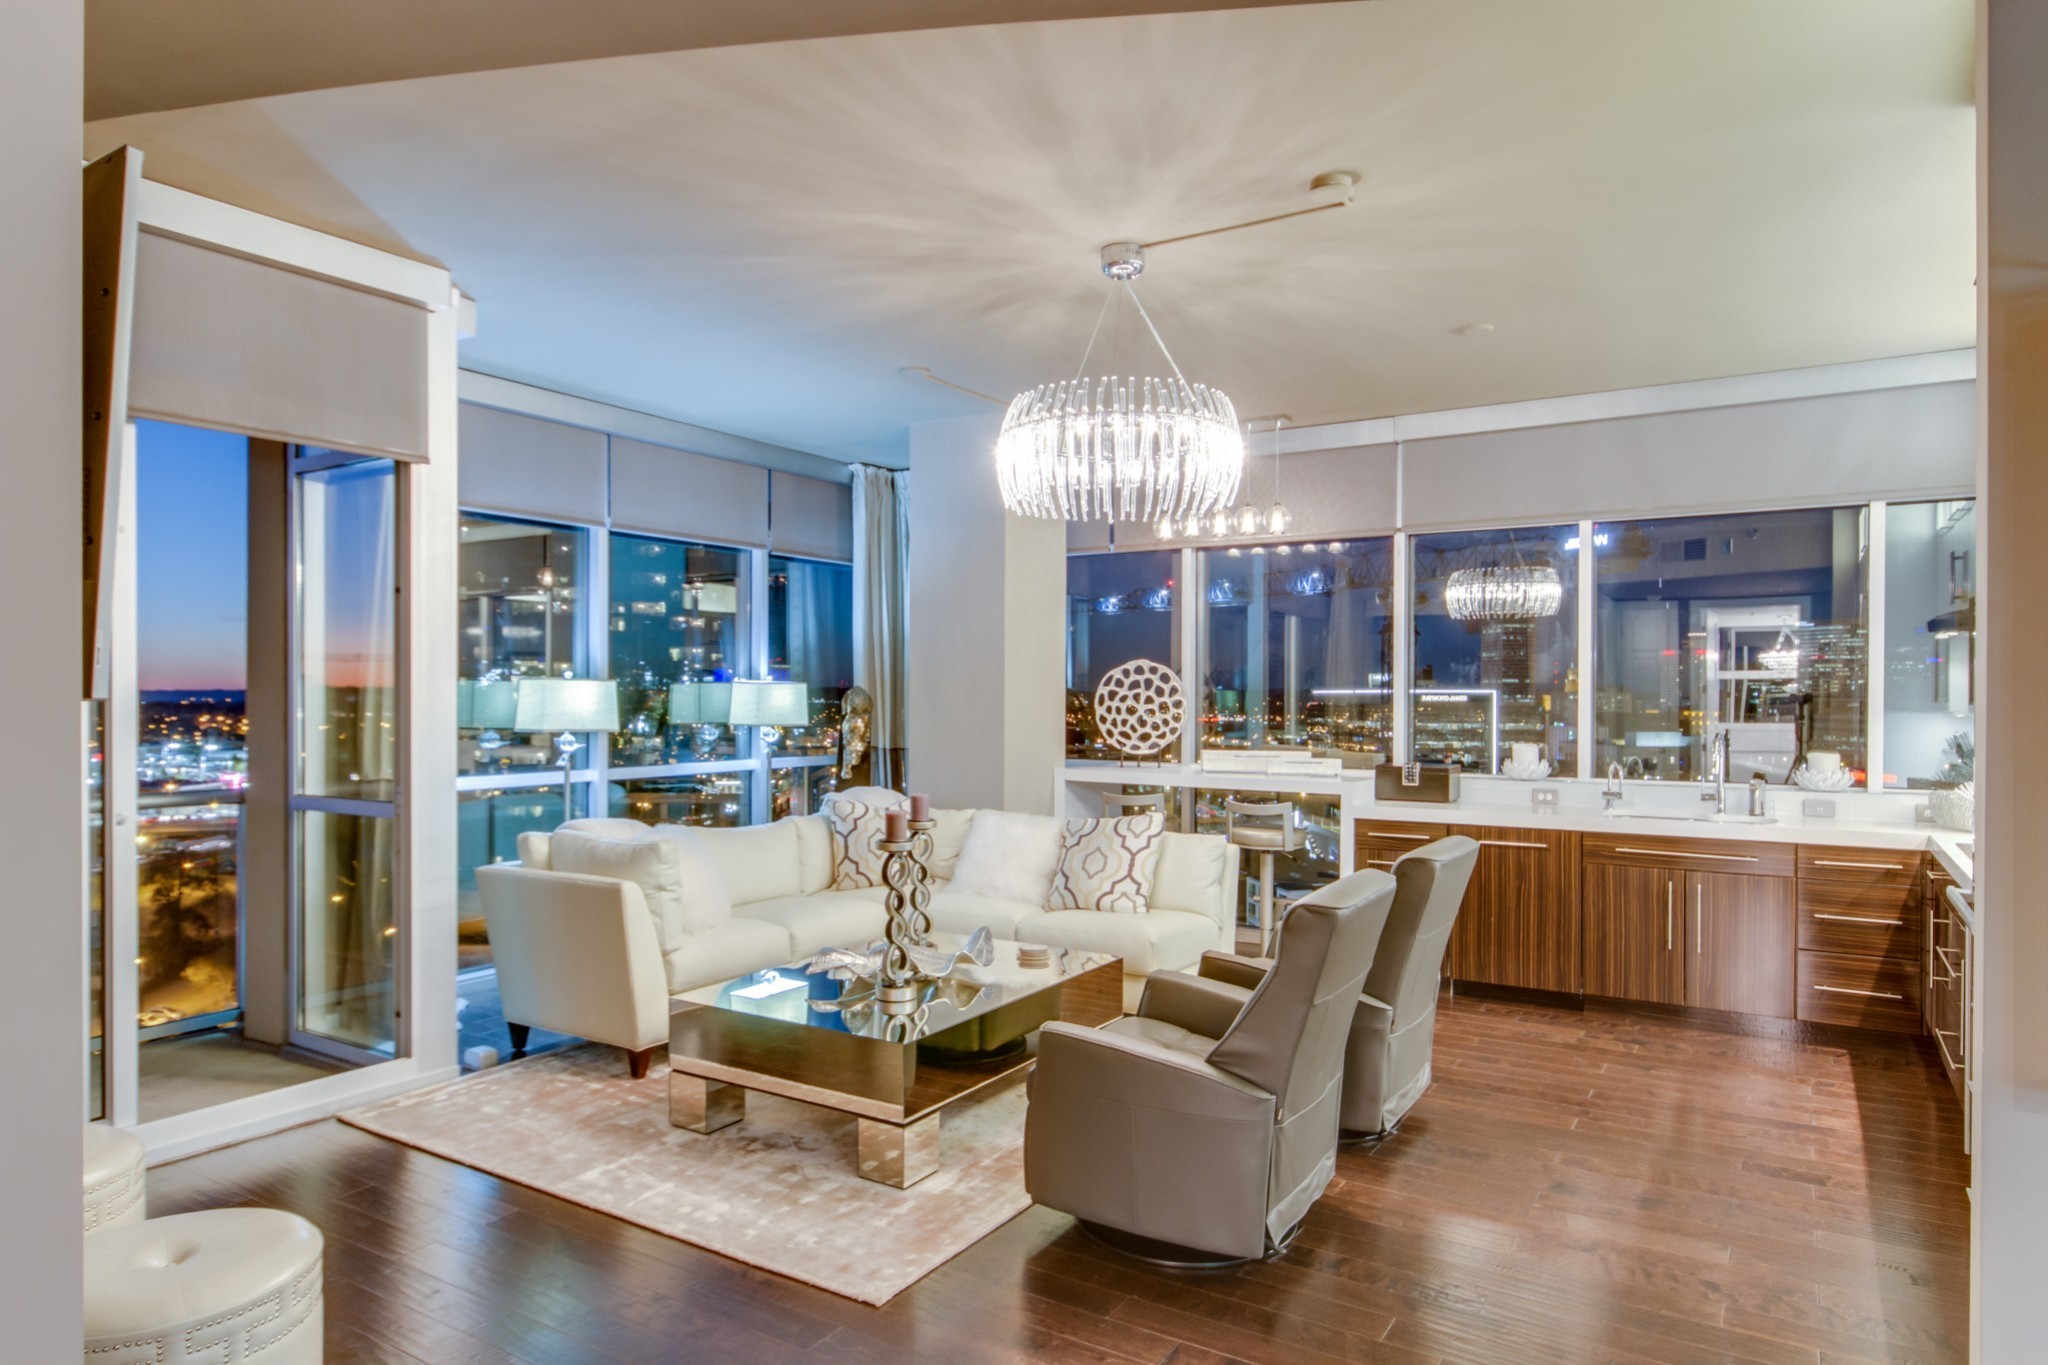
(899, 1154)
(704, 1106)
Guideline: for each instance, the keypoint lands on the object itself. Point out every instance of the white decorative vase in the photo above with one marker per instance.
(1955, 807)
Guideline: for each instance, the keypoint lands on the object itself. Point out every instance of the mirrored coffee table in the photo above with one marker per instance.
(778, 1031)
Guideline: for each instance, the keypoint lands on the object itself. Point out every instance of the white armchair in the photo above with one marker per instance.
(577, 955)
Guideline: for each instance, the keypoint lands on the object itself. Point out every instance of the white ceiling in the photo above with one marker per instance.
(757, 238)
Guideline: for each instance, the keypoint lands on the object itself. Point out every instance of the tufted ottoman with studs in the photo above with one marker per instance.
(223, 1286)
(113, 1177)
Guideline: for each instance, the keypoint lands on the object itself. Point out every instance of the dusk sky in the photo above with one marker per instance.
(192, 500)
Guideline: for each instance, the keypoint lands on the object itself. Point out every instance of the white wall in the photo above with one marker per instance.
(42, 1012)
(986, 693)
(2010, 1059)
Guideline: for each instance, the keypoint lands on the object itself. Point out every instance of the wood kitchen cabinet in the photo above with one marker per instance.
(1634, 933)
(1520, 922)
(1743, 944)
(1704, 923)
(1861, 922)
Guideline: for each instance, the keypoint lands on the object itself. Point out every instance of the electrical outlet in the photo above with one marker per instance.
(1817, 808)
(1543, 798)
(1923, 814)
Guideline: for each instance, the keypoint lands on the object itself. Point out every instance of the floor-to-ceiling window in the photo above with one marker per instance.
(1496, 646)
(1120, 607)
(679, 618)
(1752, 626)
(810, 640)
(1299, 646)
(523, 597)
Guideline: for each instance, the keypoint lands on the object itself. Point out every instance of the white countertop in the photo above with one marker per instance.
(1863, 819)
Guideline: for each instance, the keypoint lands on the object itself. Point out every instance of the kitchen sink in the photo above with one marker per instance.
(1680, 818)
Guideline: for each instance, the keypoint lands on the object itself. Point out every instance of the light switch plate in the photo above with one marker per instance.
(1543, 798)
(1817, 808)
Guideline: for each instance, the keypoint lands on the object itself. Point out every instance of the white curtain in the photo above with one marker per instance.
(881, 606)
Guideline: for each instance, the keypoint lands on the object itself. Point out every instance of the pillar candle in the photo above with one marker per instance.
(920, 808)
(897, 827)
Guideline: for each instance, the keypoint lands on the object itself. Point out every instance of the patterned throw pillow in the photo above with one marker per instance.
(859, 819)
(1109, 864)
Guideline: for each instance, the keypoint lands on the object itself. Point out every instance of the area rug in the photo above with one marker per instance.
(776, 1190)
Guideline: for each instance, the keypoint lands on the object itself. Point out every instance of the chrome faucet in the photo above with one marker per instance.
(1611, 794)
(1719, 795)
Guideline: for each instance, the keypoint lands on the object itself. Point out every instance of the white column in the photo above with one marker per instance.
(985, 694)
(42, 973)
(2008, 1063)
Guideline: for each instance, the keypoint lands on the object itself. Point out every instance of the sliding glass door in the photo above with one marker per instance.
(348, 938)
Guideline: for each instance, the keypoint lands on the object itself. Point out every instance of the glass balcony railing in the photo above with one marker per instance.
(188, 851)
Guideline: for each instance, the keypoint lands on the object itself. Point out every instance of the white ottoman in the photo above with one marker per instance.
(224, 1286)
(113, 1177)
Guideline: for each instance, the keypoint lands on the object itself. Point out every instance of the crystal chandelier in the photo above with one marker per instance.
(1120, 449)
(1506, 592)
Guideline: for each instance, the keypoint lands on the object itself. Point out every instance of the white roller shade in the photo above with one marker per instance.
(810, 517)
(227, 342)
(677, 493)
(530, 467)
(1842, 448)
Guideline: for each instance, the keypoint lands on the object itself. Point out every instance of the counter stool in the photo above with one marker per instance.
(224, 1286)
(1133, 803)
(1266, 828)
(113, 1177)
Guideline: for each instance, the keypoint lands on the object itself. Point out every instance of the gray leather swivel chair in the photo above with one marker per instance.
(1201, 1129)
(1386, 1063)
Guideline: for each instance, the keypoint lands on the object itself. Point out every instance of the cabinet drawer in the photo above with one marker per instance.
(1381, 842)
(1838, 917)
(1694, 855)
(1861, 992)
(1890, 868)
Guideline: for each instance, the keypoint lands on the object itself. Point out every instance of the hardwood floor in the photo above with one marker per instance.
(1575, 1187)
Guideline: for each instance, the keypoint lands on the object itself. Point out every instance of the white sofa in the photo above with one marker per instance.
(583, 955)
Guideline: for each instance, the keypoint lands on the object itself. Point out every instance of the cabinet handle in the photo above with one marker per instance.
(1869, 867)
(1860, 919)
(1668, 886)
(1699, 919)
(1509, 843)
(1379, 862)
(1851, 990)
(1390, 834)
(1674, 853)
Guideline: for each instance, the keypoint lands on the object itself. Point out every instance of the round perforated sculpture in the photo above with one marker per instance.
(1140, 707)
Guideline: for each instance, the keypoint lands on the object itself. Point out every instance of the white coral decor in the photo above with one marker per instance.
(1955, 807)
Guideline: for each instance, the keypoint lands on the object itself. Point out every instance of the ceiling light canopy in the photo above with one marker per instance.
(1115, 448)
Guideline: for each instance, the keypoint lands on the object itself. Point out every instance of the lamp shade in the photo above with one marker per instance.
(700, 703)
(566, 704)
(489, 704)
(771, 703)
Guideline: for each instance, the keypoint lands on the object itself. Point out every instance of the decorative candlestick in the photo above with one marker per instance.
(896, 975)
(919, 911)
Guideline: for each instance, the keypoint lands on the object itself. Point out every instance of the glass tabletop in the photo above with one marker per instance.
(797, 995)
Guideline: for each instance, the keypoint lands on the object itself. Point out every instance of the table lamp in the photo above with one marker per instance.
(703, 706)
(565, 706)
(771, 705)
(487, 705)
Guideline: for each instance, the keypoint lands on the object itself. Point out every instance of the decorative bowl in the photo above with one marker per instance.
(1954, 807)
(1835, 780)
(1525, 772)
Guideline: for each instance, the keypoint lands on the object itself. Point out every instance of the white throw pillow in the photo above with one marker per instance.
(1109, 864)
(859, 821)
(949, 837)
(706, 903)
(655, 866)
(755, 862)
(1009, 856)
